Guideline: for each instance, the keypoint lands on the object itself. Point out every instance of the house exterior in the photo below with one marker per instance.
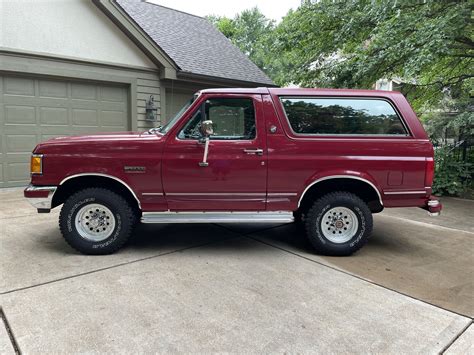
(393, 84)
(77, 66)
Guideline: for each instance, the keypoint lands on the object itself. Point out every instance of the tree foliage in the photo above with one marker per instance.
(451, 129)
(428, 44)
(251, 31)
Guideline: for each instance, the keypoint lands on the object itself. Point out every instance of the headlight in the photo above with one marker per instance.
(36, 166)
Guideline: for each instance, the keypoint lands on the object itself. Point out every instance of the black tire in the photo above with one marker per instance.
(123, 217)
(362, 230)
(299, 220)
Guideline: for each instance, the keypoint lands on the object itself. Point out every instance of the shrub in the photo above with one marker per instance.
(453, 176)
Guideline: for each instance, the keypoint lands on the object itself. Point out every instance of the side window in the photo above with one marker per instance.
(332, 116)
(231, 119)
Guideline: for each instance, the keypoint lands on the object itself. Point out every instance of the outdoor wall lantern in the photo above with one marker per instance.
(151, 109)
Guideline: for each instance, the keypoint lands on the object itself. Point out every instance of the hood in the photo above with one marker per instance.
(95, 139)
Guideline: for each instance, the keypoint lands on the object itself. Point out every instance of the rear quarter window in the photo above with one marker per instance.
(342, 116)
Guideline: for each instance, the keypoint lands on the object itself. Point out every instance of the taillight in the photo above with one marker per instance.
(429, 173)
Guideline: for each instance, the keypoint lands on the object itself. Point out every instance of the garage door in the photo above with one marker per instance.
(33, 110)
(175, 100)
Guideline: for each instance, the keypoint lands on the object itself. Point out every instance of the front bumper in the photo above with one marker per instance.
(40, 197)
(433, 206)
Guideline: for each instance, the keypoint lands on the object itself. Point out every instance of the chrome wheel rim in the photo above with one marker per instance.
(339, 225)
(95, 222)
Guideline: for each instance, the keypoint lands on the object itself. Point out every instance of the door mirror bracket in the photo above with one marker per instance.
(206, 130)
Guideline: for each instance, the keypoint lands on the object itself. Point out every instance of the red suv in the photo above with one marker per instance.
(328, 159)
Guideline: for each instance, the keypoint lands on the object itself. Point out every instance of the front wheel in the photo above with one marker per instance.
(96, 221)
(338, 224)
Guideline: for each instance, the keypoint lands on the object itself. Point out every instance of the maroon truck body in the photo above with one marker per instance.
(274, 171)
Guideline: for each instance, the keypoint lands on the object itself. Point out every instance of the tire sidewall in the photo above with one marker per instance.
(72, 207)
(315, 232)
(361, 228)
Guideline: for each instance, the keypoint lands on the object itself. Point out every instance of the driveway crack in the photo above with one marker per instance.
(355, 276)
(16, 348)
(114, 266)
(447, 346)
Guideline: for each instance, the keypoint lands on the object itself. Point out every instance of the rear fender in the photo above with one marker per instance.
(338, 174)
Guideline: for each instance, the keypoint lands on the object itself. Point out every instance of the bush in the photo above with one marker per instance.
(451, 129)
(452, 175)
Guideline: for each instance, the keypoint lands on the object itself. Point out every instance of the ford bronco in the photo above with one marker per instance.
(327, 159)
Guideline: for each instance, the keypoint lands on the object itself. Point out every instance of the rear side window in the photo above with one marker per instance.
(332, 116)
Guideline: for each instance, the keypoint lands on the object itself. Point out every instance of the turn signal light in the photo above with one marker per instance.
(36, 166)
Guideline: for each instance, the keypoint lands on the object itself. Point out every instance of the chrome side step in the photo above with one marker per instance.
(217, 217)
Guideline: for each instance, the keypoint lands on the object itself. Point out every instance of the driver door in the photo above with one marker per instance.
(236, 176)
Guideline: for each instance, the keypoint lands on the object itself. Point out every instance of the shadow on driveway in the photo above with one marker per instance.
(430, 263)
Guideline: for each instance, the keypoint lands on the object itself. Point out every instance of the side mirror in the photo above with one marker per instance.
(206, 128)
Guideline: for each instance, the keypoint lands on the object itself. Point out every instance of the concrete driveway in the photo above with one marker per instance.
(240, 289)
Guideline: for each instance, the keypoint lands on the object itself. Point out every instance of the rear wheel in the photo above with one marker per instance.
(338, 224)
(96, 221)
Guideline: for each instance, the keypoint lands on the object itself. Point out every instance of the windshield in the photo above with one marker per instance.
(176, 117)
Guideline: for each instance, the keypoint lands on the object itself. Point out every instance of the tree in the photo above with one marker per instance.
(428, 44)
(223, 24)
(252, 33)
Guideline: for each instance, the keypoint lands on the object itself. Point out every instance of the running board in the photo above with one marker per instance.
(217, 217)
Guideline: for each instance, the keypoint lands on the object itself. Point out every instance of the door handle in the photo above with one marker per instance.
(254, 151)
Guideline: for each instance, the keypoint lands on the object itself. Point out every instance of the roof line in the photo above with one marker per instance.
(144, 33)
(181, 74)
(129, 15)
(169, 8)
(119, 16)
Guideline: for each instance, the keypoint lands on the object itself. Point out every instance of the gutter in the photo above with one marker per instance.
(225, 81)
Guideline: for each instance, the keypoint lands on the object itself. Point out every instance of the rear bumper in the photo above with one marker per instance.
(40, 197)
(433, 206)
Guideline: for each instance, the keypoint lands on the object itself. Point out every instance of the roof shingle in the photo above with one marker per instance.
(193, 43)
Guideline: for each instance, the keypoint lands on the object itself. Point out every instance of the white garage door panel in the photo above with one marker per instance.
(55, 116)
(34, 110)
(20, 114)
(19, 86)
(52, 89)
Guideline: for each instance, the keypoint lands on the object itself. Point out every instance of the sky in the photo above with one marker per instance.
(273, 9)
